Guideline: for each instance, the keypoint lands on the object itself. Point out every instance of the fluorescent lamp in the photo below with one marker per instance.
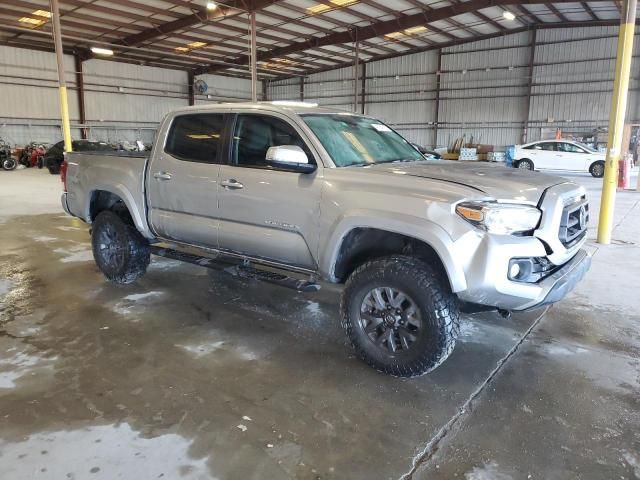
(211, 5)
(42, 13)
(319, 8)
(414, 30)
(32, 21)
(508, 15)
(101, 51)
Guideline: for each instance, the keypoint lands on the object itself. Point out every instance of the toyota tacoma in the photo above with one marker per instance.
(295, 194)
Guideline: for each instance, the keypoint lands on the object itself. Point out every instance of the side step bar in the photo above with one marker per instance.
(238, 269)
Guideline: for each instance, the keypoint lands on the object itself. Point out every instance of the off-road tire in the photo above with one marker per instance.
(133, 254)
(524, 164)
(597, 169)
(431, 294)
(54, 170)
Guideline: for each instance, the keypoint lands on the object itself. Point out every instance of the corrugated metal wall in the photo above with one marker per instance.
(29, 104)
(484, 85)
(401, 92)
(483, 90)
(572, 80)
(123, 102)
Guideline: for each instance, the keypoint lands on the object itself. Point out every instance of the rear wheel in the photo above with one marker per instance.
(525, 164)
(400, 315)
(120, 251)
(597, 169)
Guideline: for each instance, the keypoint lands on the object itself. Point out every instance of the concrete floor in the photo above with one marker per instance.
(197, 375)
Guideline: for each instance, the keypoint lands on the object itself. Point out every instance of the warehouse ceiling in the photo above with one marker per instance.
(294, 37)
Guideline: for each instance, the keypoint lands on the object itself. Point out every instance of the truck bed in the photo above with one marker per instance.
(118, 172)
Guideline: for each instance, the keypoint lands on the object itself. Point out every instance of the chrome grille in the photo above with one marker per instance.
(574, 221)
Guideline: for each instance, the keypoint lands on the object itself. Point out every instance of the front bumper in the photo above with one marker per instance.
(498, 291)
(565, 279)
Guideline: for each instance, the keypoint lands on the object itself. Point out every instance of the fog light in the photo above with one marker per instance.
(514, 270)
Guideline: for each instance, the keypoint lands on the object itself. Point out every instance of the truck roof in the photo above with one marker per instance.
(278, 106)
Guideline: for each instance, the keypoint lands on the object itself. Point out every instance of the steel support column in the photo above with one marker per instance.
(616, 119)
(62, 84)
(191, 91)
(80, 89)
(253, 63)
(302, 89)
(436, 114)
(356, 61)
(363, 87)
(527, 109)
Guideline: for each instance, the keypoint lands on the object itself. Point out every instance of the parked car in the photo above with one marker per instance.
(55, 155)
(560, 156)
(291, 193)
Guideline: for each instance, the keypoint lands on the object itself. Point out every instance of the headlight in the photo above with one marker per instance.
(500, 218)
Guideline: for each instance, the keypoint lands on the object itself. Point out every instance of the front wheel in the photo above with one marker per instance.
(9, 164)
(597, 169)
(120, 251)
(525, 164)
(400, 315)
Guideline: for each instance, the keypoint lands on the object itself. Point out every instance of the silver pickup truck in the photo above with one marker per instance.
(293, 194)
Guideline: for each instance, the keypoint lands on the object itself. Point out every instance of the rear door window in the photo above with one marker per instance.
(196, 137)
(549, 146)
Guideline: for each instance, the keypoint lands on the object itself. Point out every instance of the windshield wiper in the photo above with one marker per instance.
(403, 160)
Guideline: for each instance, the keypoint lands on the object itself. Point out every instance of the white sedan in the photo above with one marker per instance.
(560, 156)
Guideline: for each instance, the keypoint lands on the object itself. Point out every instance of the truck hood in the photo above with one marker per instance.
(495, 181)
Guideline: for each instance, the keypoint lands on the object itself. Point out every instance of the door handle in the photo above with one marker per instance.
(162, 176)
(232, 184)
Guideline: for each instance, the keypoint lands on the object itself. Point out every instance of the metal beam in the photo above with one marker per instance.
(379, 29)
(254, 63)
(437, 100)
(356, 61)
(363, 87)
(62, 83)
(589, 10)
(191, 91)
(302, 89)
(556, 12)
(200, 16)
(527, 110)
(80, 92)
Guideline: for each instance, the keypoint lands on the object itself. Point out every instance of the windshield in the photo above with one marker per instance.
(354, 140)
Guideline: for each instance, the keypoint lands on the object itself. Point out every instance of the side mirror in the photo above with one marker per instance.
(290, 158)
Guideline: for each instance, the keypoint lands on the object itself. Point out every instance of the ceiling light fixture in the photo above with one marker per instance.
(101, 51)
(33, 22)
(406, 33)
(212, 5)
(42, 13)
(414, 30)
(508, 15)
(321, 7)
(196, 44)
